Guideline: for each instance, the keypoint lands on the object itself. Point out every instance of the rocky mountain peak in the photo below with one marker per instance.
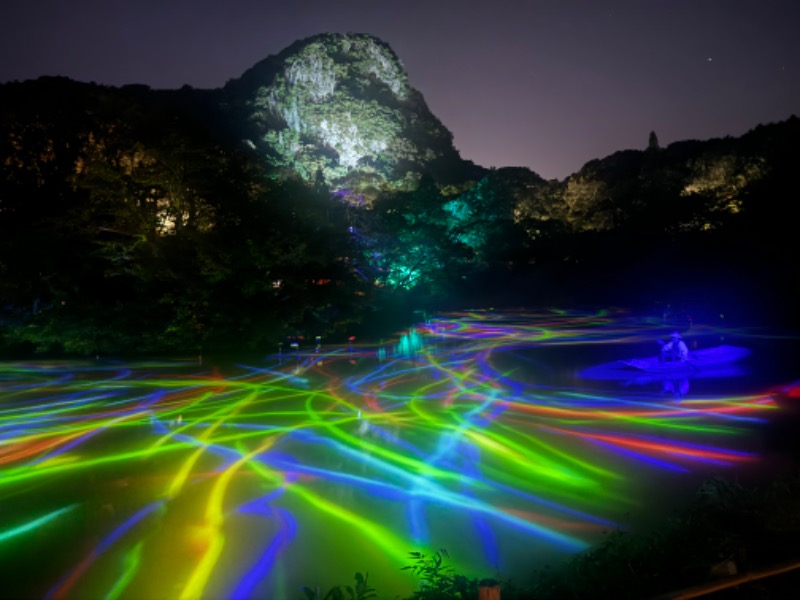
(340, 105)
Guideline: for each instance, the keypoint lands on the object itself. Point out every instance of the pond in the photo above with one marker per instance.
(512, 440)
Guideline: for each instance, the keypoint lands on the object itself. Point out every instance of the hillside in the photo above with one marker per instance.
(317, 195)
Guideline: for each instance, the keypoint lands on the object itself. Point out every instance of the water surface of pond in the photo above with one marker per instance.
(491, 435)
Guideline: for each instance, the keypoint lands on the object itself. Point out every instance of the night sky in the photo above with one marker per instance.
(548, 85)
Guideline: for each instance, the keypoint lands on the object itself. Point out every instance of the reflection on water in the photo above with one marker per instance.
(475, 432)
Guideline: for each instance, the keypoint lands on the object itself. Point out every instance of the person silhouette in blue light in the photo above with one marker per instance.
(674, 349)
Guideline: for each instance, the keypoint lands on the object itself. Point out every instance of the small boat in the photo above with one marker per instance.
(713, 362)
(704, 358)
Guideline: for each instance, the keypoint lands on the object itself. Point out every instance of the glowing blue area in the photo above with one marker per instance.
(287, 527)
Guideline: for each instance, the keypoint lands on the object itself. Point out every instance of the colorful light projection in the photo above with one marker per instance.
(160, 480)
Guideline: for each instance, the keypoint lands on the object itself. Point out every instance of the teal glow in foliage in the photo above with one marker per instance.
(470, 215)
(458, 209)
(472, 238)
(458, 225)
(403, 276)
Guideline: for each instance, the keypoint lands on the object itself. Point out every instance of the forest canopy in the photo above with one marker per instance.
(136, 221)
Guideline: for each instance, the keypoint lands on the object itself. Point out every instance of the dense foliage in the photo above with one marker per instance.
(144, 234)
(137, 221)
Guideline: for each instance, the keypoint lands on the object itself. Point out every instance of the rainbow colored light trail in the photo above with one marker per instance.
(172, 480)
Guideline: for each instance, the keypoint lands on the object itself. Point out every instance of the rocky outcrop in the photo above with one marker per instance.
(340, 107)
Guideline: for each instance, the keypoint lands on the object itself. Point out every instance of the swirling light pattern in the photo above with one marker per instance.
(175, 480)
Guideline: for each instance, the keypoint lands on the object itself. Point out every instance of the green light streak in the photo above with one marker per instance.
(456, 426)
(130, 563)
(35, 524)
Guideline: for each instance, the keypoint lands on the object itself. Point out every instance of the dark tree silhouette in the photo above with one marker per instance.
(652, 142)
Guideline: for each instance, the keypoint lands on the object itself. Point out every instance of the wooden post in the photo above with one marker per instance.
(489, 591)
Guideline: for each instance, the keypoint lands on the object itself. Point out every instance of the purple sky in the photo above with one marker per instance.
(546, 84)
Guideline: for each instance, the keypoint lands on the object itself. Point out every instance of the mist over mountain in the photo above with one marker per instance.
(317, 190)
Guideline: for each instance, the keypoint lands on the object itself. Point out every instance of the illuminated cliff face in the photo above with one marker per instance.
(341, 105)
